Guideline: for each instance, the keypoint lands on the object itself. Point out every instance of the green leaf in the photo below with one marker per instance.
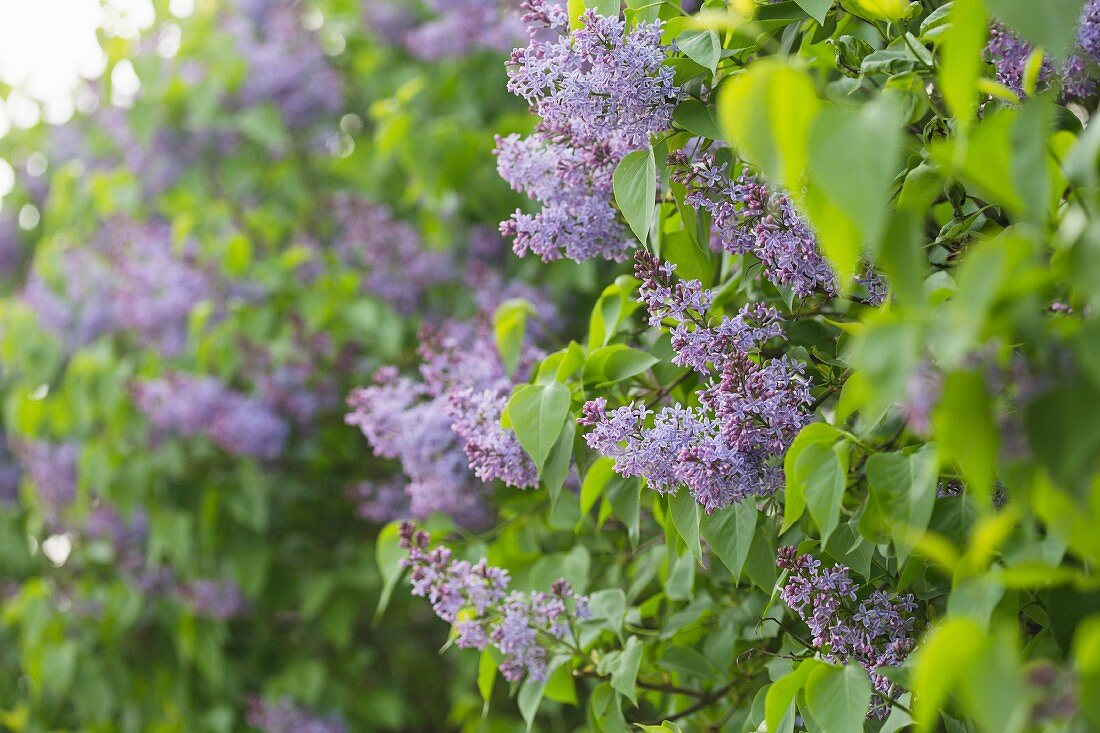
(701, 46)
(902, 495)
(766, 112)
(961, 59)
(561, 687)
(538, 413)
(729, 533)
(529, 699)
(965, 429)
(616, 363)
(388, 555)
(822, 472)
(889, 10)
(635, 184)
(509, 330)
(698, 118)
(816, 9)
(847, 199)
(606, 8)
(1086, 657)
(1051, 24)
(795, 500)
(595, 480)
(559, 461)
(780, 698)
(838, 698)
(624, 496)
(625, 674)
(685, 517)
(486, 678)
(691, 260)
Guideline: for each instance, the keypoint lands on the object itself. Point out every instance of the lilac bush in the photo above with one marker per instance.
(283, 716)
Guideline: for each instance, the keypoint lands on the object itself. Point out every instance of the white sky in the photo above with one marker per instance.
(48, 46)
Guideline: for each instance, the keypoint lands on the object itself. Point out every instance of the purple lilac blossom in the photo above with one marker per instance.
(128, 538)
(873, 632)
(52, 471)
(219, 599)
(130, 278)
(509, 620)
(189, 405)
(11, 245)
(748, 217)
(922, 394)
(730, 446)
(445, 429)
(1077, 75)
(600, 91)
(379, 501)
(11, 473)
(286, 64)
(398, 268)
(283, 716)
(459, 27)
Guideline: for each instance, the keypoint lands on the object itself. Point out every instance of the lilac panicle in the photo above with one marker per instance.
(283, 716)
(189, 405)
(476, 599)
(731, 445)
(600, 92)
(445, 428)
(460, 27)
(873, 631)
(398, 268)
(131, 278)
(1076, 76)
(286, 64)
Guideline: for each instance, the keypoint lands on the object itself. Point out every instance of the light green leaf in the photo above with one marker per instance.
(388, 555)
(766, 112)
(817, 433)
(625, 675)
(961, 60)
(685, 517)
(701, 46)
(838, 697)
(822, 472)
(538, 413)
(698, 118)
(509, 330)
(635, 184)
(729, 533)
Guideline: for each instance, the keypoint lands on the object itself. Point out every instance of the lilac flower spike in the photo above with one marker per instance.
(601, 91)
(730, 446)
(477, 600)
(873, 632)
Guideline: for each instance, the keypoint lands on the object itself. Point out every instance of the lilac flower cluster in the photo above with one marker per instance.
(731, 445)
(52, 470)
(128, 538)
(874, 632)
(219, 598)
(1077, 76)
(286, 64)
(130, 278)
(601, 92)
(399, 268)
(11, 473)
(379, 501)
(283, 716)
(189, 405)
(747, 217)
(459, 27)
(445, 430)
(518, 624)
